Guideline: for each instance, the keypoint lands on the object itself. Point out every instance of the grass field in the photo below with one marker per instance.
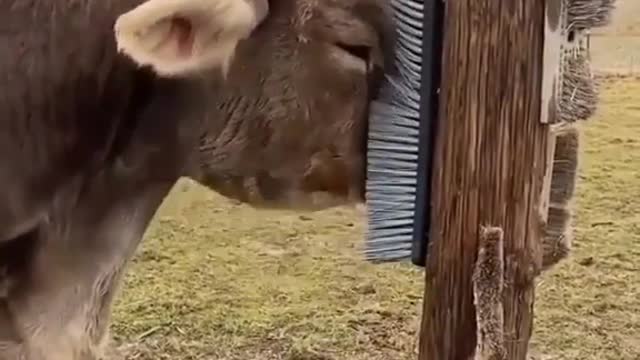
(218, 280)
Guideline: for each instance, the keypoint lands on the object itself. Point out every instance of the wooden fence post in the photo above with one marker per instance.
(491, 160)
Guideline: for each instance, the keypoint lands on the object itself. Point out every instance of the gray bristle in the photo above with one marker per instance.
(556, 243)
(579, 97)
(392, 158)
(586, 14)
(565, 166)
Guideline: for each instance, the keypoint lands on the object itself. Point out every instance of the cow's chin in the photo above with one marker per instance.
(304, 201)
(296, 196)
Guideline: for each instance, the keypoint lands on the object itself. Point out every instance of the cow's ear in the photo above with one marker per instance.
(179, 37)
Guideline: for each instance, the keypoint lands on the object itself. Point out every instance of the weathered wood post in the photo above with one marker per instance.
(492, 162)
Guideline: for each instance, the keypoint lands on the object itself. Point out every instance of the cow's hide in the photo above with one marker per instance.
(104, 104)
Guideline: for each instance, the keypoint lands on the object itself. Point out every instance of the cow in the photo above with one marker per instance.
(105, 104)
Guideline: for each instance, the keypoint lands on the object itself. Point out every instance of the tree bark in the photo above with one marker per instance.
(490, 162)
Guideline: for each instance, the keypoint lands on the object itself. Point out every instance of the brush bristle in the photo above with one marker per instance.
(578, 102)
(565, 166)
(586, 14)
(394, 128)
(556, 243)
(579, 97)
(393, 144)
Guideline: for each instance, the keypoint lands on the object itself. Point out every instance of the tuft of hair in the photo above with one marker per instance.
(488, 285)
(182, 37)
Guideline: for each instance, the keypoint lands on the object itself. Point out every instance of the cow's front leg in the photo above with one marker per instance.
(59, 308)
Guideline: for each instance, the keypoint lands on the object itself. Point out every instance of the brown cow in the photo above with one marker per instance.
(264, 101)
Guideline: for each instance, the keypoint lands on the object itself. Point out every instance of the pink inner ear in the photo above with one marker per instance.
(182, 31)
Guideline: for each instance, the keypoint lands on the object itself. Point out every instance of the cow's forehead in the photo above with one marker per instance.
(304, 10)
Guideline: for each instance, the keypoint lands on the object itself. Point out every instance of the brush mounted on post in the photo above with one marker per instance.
(577, 101)
(473, 159)
(404, 122)
(402, 128)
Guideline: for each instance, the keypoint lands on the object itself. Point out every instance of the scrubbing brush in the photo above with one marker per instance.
(401, 131)
(403, 125)
(579, 97)
(588, 14)
(578, 102)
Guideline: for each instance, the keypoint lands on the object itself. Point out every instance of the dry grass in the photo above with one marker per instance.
(222, 281)
(218, 280)
(589, 306)
(626, 20)
(616, 48)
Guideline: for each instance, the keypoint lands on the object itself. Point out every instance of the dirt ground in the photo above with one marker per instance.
(218, 280)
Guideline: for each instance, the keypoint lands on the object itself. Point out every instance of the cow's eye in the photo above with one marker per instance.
(358, 51)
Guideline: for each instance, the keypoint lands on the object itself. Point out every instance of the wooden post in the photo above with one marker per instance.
(491, 158)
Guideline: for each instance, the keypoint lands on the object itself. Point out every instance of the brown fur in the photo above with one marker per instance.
(90, 144)
(488, 284)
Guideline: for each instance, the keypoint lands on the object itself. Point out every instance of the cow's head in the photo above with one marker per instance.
(287, 125)
(288, 128)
